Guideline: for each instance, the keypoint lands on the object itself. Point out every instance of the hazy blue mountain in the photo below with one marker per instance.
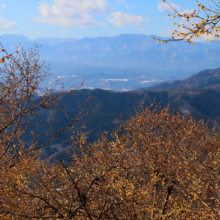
(54, 41)
(126, 43)
(123, 62)
(11, 42)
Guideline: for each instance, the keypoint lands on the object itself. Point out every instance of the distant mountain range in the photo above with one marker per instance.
(123, 62)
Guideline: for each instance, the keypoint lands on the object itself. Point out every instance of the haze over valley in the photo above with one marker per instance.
(121, 63)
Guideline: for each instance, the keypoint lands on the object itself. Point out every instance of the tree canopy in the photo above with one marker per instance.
(162, 166)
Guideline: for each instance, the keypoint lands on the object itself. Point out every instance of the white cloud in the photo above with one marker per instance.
(141, 29)
(69, 13)
(2, 6)
(5, 24)
(123, 3)
(119, 19)
(163, 6)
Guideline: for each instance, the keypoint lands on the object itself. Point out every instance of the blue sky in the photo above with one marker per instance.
(87, 18)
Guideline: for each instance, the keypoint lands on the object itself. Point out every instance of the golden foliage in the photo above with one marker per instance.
(164, 166)
(20, 79)
(202, 21)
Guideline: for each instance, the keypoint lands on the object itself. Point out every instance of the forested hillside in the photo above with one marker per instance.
(197, 96)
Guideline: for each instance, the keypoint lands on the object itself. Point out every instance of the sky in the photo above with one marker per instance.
(88, 18)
